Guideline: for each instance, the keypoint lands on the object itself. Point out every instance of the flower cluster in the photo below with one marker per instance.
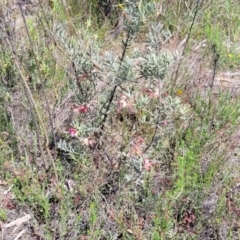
(81, 109)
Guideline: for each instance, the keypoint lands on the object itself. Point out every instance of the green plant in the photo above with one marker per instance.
(3, 215)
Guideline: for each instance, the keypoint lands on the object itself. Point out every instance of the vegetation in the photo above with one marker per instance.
(120, 119)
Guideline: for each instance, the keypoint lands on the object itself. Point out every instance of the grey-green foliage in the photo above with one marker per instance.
(115, 70)
(157, 36)
(141, 9)
(121, 70)
(65, 147)
(75, 48)
(78, 51)
(155, 64)
(126, 70)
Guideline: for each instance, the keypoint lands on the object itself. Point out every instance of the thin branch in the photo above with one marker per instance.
(187, 40)
(44, 93)
(113, 92)
(33, 108)
(154, 133)
(215, 61)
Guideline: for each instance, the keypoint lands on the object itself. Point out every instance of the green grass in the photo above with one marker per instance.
(3, 214)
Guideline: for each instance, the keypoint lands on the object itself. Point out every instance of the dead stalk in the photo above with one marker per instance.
(34, 110)
(48, 107)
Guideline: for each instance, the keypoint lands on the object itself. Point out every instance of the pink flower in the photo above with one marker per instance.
(91, 143)
(83, 109)
(80, 109)
(164, 123)
(147, 164)
(151, 93)
(139, 141)
(72, 131)
(125, 103)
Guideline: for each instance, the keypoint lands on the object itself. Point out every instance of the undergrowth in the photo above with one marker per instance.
(113, 122)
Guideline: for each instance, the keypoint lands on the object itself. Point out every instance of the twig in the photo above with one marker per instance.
(20, 234)
(187, 40)
(215, 61)
(17, 222)
(113, 92)
(29, 96)
(71, 26)
(155, 131)
(44, 93)
(33, 108)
